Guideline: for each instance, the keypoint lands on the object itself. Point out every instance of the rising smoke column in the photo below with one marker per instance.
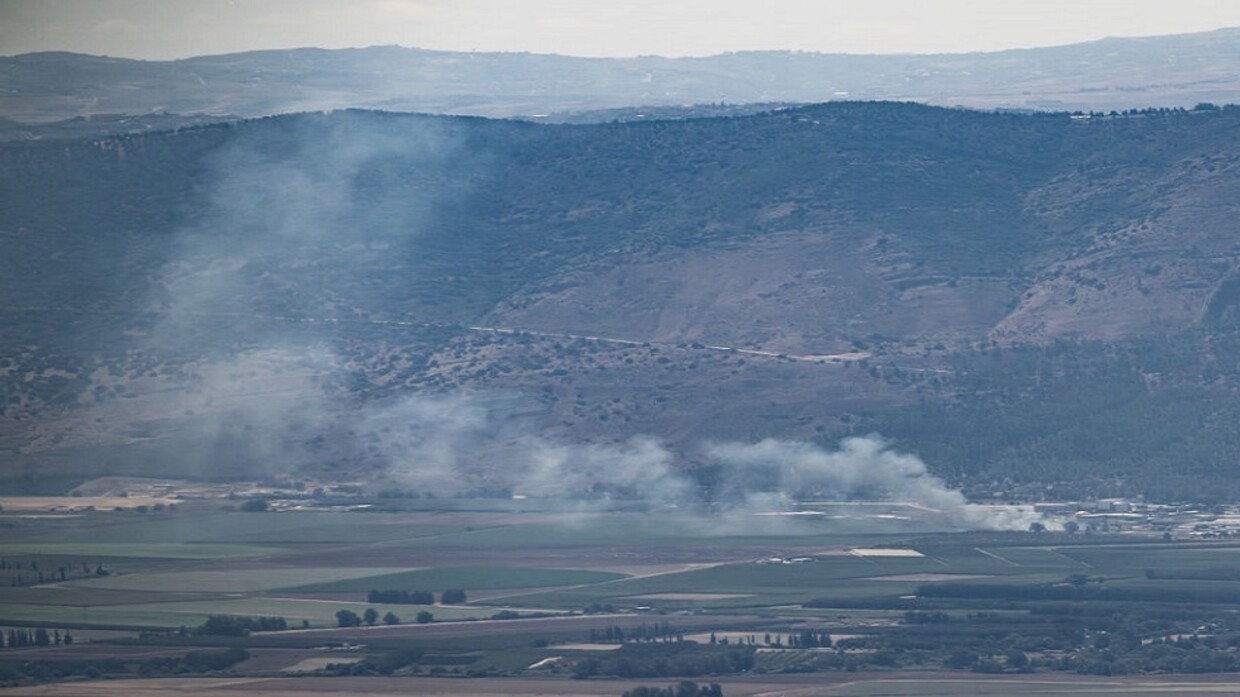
(297, 222)
(283, 198)
(639, 468)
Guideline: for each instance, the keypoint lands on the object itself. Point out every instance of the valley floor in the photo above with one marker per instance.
(804, 685)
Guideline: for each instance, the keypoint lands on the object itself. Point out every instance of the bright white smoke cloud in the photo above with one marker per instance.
(437, 444)
(863, 469)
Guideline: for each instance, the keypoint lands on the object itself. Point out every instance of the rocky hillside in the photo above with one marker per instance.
(1027, 300)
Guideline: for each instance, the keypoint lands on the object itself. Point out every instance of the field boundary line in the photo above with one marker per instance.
(992, 555)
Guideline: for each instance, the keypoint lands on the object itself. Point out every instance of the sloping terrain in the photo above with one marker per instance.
(1100, 75)
(1027, 300)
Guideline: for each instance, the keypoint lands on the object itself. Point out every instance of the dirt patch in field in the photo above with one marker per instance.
(885, 553)
(317, 663)
(80, 503)
(283, 660)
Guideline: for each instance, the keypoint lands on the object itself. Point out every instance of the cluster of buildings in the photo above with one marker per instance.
(1173, 521)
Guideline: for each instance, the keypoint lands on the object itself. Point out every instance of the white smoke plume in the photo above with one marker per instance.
(431, 443)
(437, 443)
(637, 468)
(449, 444)
(863, 469)
(277, 204)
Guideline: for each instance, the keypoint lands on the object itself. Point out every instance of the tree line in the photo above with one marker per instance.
(196, 662)
(615, 634)
(685, 688)
(30, 574)
(659, 660)
(23, 638)
(234, 625)
(370, 617)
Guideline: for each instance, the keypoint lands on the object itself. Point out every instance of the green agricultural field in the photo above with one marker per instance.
(982, 591)
(1167, 559)
(361, 531)
(466, 578)
(655, 531)
(76, 596)
(250, 580)
(152, 550)
(1031, 559)
(231, 527)
(319, 613)
(763, 584)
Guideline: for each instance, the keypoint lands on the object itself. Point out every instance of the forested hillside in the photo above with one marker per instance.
(1025, 300)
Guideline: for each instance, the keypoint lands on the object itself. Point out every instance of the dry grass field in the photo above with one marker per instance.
(80, 503)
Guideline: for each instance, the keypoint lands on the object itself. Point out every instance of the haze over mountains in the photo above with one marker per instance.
(1028, 301)
(1101, 75)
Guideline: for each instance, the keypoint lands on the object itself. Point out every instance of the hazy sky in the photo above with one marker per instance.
(178, 28)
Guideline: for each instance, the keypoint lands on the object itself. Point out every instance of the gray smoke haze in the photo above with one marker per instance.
(440, 444)
(450, 444)
(257, 410)
(430, 443)
(639, 467)
(863, 468)
(775, 472)
(298, 223)
(282, 201)
(267, 396)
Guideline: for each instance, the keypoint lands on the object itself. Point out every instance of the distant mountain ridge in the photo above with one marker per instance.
(1117, 73)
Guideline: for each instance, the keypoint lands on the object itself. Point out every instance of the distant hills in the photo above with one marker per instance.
(1028, 301)
(1100, 75)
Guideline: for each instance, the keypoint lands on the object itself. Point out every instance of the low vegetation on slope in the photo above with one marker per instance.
(1003, 293)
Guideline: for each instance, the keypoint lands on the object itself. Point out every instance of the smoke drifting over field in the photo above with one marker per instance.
(866, 469)
(451, 445)
(278, 204)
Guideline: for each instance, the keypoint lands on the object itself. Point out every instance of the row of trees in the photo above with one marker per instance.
(21, 638)
(348, 618)
(233, 625)
(194, 662)
(197, 662)
(454, 596)
(32, 575)
(686, 688)
(664, 660)
(615, 634)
